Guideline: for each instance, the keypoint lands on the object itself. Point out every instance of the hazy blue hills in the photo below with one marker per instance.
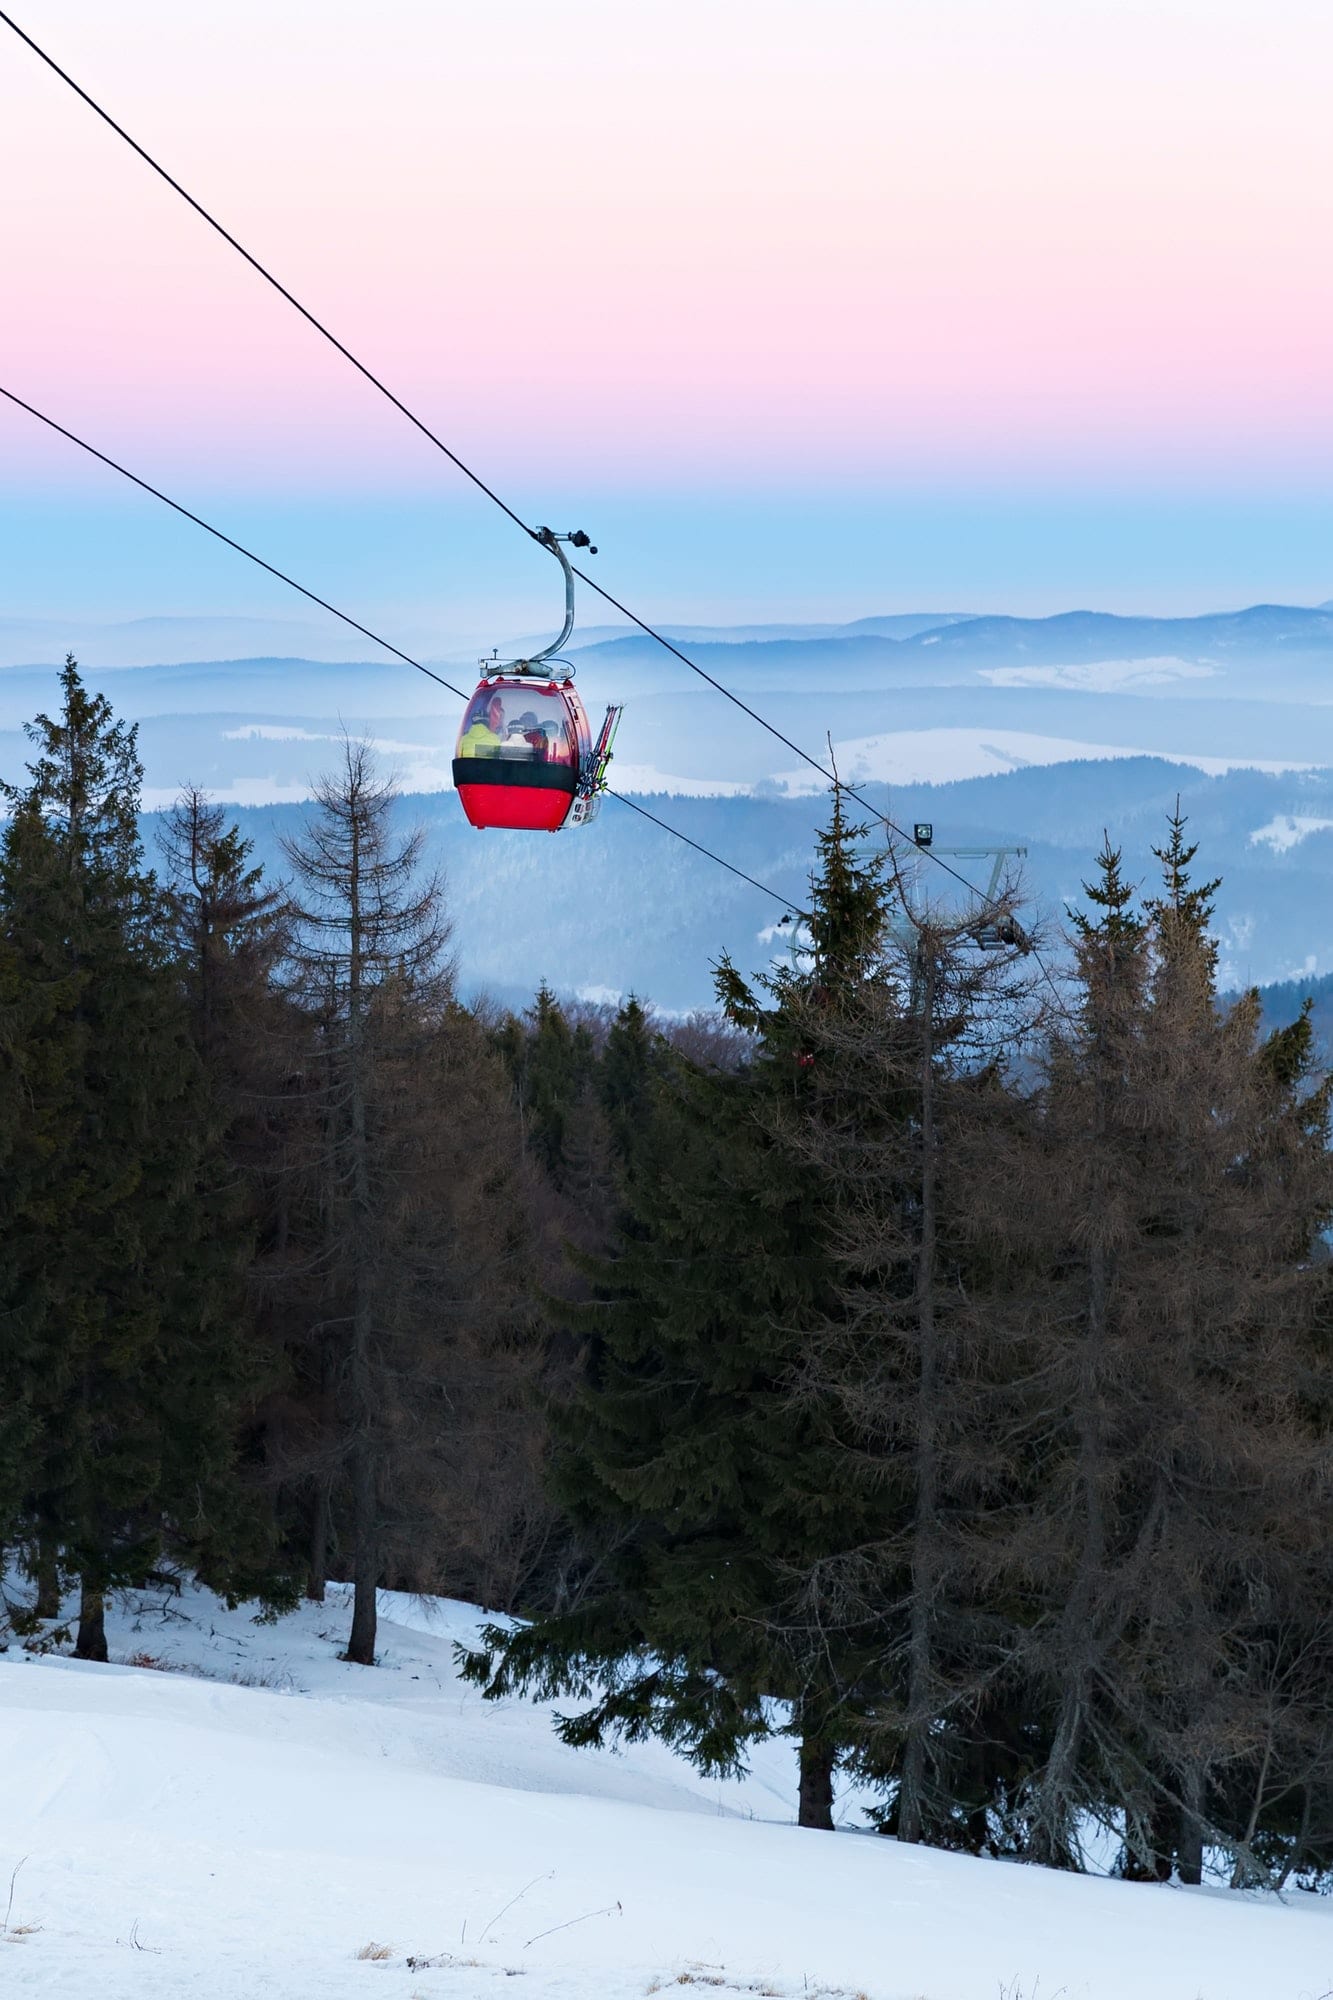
(621, 906)
(1283, 1001)
(1240, 636)
(929, 653)
(892, 625)
(1033, 732)
(264, 685)
(133, 642)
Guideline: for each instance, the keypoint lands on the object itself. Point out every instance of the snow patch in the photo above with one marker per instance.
(1287, 830)
(230, 792)
(940, 756)
(641, 779)
(599, 996)
(1103, 676)
(281, 732)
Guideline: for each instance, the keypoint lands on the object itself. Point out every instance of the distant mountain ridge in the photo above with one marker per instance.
(888, 625)
(1248, 637)
(1089, 635)
(970, 637)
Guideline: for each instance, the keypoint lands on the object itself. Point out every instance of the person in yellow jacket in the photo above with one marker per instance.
(485, 735)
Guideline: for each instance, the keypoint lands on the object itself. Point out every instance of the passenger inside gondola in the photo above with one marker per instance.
(559, 750)
(483, 733)
(528, 730)
(539, 732)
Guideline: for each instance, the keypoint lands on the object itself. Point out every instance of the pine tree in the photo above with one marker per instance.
(129, 1250)
(690, 1457)
(34, 1125)
(1187, 1177)
(227, 936)
(1088, 1182)
(627, 1074)
(915, 1355)
(460, 1342)
(551, 1061)
(1243, 1164)
(368, 963)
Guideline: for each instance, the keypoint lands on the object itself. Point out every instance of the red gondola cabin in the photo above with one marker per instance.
(520, 753)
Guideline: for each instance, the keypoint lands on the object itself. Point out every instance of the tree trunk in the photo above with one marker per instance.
(1053, 1837)
(48, 1581)
(1242, 1874)
(365, 1474)
(920, 1663)
(1051, 1843)
(1296, 1852)
(365, 1495)
(815, 1806)
(1151, 1862)
(90, 1643)
(1190, 1844)
(365, 1565)
(318, 1570)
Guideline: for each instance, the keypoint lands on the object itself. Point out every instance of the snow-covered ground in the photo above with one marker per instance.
(242, 1816)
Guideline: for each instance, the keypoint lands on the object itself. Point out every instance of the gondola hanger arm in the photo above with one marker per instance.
(549, 539)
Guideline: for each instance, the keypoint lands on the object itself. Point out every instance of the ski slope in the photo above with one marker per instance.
(249, 1818)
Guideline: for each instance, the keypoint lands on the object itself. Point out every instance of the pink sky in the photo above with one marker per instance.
(682, 245)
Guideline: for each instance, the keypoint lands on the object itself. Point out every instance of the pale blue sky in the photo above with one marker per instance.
(804, 312)
(440, 578)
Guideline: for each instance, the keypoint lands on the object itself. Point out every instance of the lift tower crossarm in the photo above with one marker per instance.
(999, 855)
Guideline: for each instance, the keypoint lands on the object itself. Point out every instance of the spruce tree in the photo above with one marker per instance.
(627, 1074)
(459, 1340)
(367, 962)
(551, 1061)
(1187, 1178)
(227, 931)
(1091, 1167)
(917, 1354)
(34, 1115)
(1243, 1167)
(129, 1251)
(690, 1457)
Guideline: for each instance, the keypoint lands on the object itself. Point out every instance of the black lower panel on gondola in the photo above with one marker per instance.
(497, 791)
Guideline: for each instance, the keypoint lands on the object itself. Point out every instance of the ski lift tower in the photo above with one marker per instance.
(994, 932)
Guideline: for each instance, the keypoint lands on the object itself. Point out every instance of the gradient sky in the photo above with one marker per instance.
(806, 310)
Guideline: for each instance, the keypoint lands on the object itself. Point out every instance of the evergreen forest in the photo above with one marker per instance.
(927, 1356)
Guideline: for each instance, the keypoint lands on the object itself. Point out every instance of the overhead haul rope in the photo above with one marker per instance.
(828, 774)
(262, 269)
(651, 631)
(357, 626)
